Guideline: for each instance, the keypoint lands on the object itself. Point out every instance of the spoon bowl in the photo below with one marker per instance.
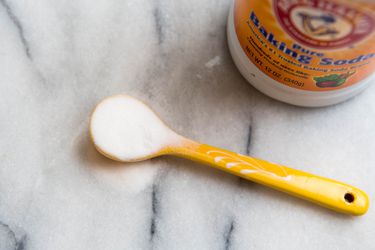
(127, 130)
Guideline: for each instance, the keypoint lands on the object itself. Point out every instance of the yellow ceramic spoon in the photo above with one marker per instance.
(125, 129)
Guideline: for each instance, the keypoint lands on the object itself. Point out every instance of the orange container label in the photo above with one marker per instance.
(315, 45)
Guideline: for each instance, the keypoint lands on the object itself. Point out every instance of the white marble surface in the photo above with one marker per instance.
(59, 58)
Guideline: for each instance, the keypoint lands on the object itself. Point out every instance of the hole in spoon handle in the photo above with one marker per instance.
(349, 197)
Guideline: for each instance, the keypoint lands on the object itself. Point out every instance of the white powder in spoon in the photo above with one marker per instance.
(127, 130)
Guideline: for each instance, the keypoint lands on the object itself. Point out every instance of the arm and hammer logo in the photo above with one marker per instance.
(323, 24)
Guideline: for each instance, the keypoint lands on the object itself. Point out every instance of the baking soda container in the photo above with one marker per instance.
(304, 52)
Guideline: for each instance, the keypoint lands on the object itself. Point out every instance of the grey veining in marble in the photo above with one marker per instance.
(59, 58)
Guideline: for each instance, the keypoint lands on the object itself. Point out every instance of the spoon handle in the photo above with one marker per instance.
(323, 191)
